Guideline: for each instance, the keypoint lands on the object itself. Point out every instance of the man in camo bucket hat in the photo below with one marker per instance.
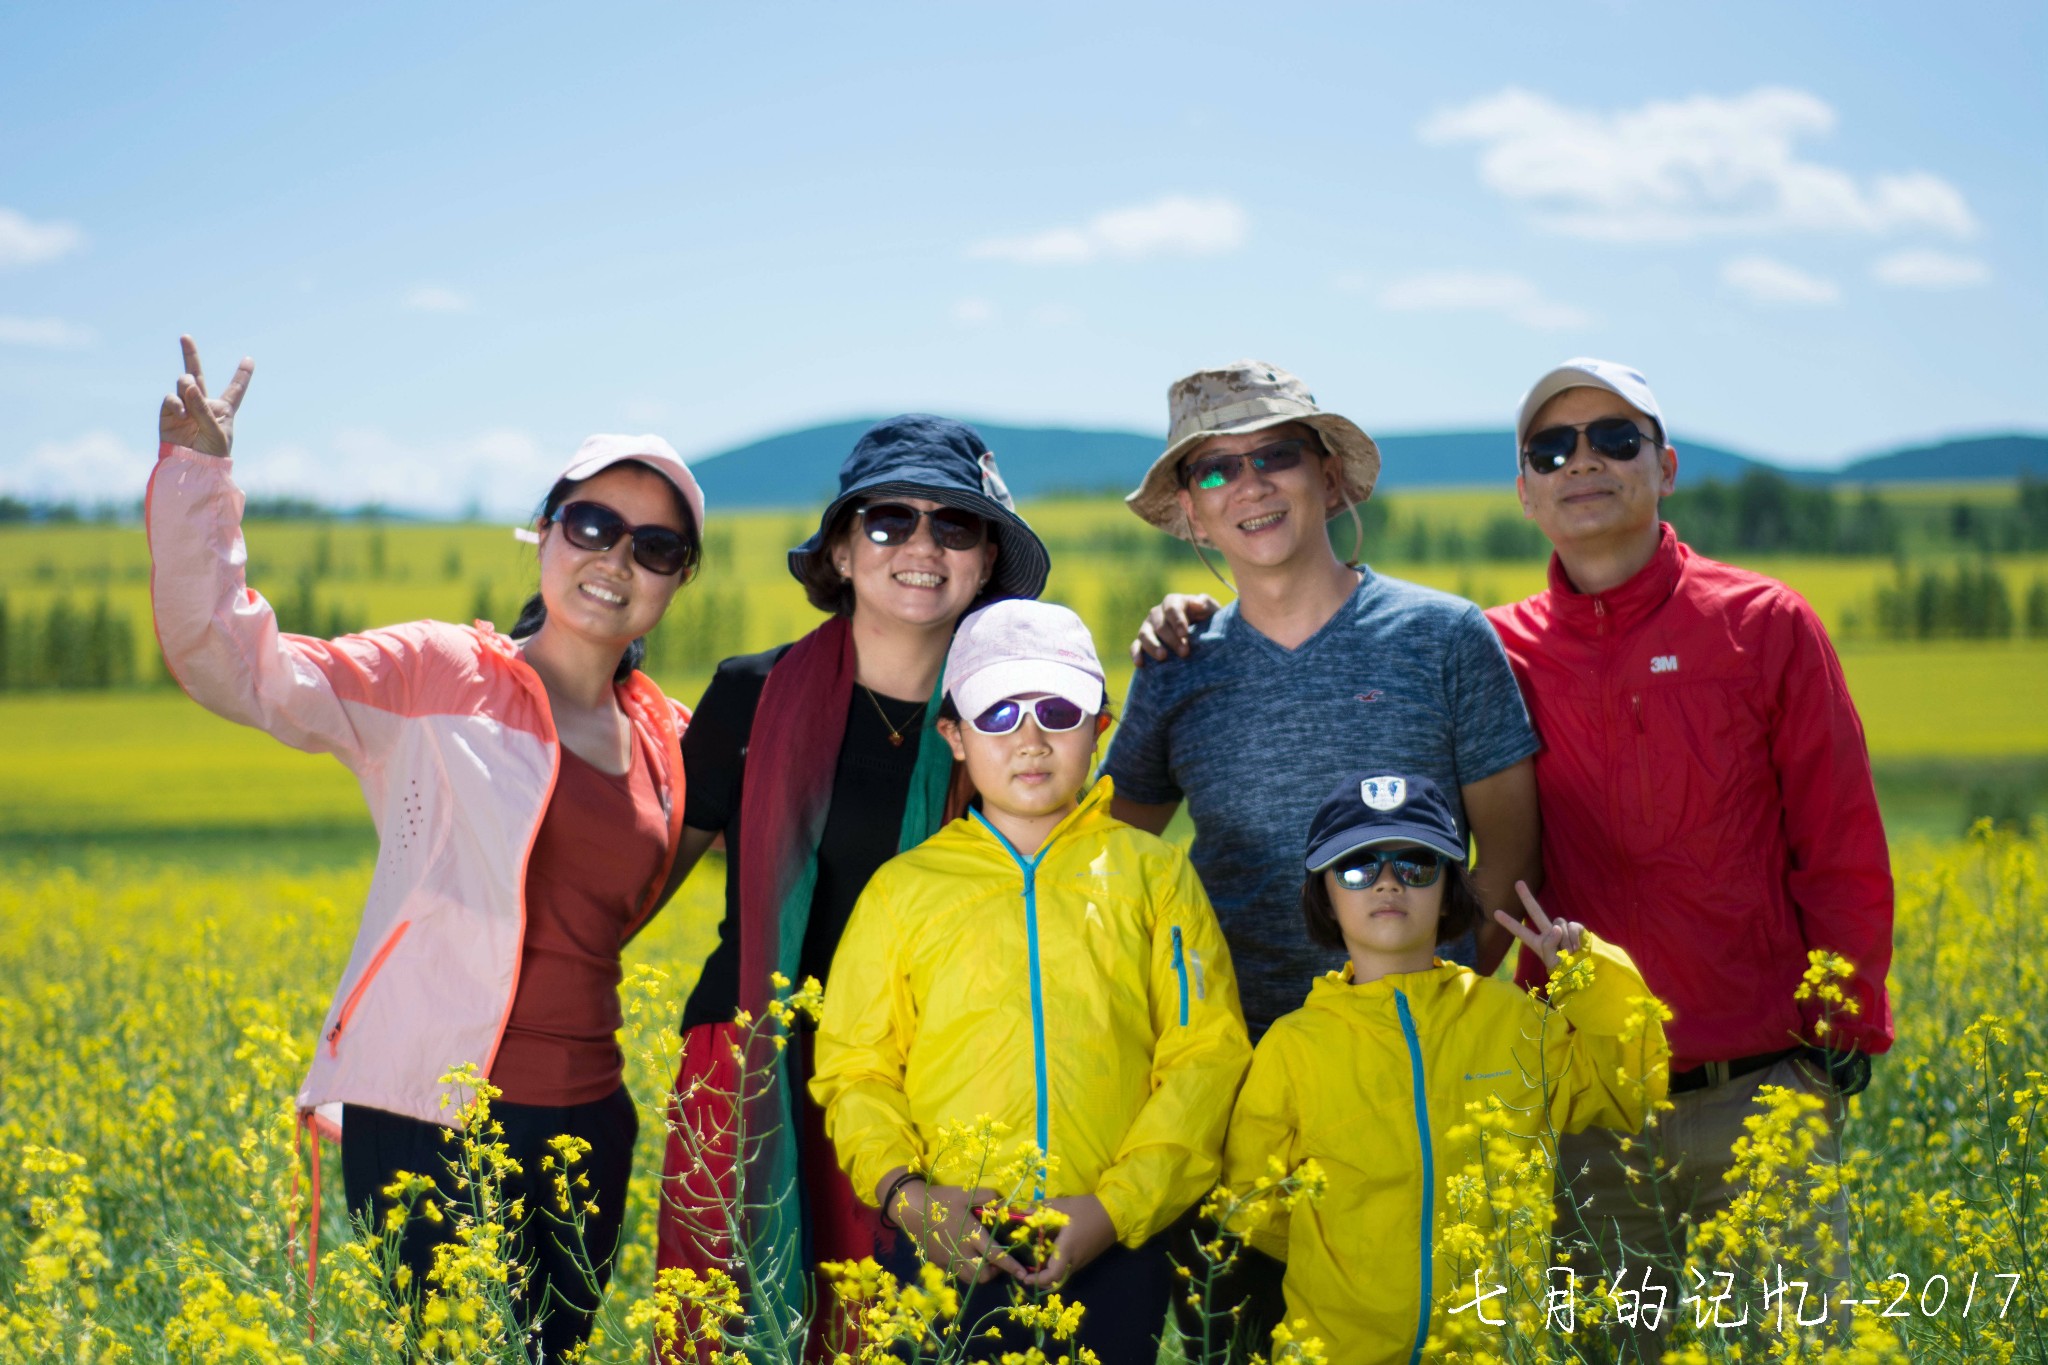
(1239, 398)
(1317, 669)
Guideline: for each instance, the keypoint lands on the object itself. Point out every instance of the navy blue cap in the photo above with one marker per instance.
(1372, 808)
(921, 456)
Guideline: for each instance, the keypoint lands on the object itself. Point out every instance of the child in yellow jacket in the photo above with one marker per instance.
(1042, 964)
(1373, 1075)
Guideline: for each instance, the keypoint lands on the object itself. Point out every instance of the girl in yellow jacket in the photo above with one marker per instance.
(1373, 1077)
(1043, 965)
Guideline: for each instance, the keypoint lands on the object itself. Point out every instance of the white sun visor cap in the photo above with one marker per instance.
(599, 453)
(1018, 647)
(1623, 381)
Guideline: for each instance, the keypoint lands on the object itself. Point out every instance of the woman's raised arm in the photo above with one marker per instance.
(220, 639)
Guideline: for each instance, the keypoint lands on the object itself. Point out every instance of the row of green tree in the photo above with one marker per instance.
(72, 647)
(65, 646)
(1767, 513)
(1967, 602)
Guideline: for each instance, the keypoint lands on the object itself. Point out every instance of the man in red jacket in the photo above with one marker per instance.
(1707, 804)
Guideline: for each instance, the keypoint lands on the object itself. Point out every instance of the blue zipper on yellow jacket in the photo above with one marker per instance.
(1029, 867)
(1414, 1042)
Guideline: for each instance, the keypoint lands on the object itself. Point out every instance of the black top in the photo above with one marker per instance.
(863, 824)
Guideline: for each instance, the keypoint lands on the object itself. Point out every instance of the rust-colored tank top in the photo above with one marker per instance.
(600, 845)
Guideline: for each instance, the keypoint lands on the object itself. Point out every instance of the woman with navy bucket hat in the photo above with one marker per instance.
(817, 762)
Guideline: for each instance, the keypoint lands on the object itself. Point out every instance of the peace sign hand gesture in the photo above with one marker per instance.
(189, 418)
(1550, 937)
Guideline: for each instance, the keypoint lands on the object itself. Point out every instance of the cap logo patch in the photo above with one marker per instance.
(1384, 793)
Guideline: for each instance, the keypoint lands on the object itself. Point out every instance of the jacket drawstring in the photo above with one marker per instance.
(301, 1216)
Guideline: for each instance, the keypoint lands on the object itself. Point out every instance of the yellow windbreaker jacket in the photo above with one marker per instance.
(1372, 1080)
(1082, 996)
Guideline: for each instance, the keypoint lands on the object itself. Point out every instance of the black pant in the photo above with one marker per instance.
(1252, 1286)
(1123, 1292)
(376, 1145)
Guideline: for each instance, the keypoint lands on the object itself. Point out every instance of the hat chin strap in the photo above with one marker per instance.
(1357, 529)
(1211, 567)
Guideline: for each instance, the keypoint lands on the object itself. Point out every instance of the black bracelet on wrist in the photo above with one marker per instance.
(889, 1197)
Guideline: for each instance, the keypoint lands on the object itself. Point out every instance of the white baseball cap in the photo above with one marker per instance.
(1018, 647)
(601, 452)
(1584, 372)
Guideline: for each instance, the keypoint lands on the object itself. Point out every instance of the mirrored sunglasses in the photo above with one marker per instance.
(1412, 867)
(593, 526)
(894, 523)
(1053, 714)
(1215, 471)
(1611, 438)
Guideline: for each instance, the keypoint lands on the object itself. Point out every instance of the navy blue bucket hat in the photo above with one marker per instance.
(921, 456)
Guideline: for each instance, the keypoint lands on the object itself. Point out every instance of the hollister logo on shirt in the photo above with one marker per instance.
(1664, 663)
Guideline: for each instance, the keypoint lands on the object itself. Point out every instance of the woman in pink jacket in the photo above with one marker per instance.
(528, 798)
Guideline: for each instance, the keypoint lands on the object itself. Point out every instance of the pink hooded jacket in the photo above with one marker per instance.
(449, 733)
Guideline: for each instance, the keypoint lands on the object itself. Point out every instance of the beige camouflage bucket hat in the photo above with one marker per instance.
(1246, 395)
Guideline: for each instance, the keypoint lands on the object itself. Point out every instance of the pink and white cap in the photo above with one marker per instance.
(601, 452)
(1018, 647)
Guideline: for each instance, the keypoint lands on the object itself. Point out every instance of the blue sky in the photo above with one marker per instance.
(458, 237)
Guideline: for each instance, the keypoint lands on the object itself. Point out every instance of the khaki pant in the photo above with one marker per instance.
(1637, 1232)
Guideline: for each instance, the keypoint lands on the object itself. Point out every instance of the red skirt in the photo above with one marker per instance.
(700, 1191)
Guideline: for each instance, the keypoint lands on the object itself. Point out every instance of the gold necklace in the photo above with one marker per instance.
(895, 734)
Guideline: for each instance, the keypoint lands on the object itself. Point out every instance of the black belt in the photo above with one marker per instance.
(1720, 1073)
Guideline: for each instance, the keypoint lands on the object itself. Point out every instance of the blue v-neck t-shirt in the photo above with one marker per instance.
(1253, 736)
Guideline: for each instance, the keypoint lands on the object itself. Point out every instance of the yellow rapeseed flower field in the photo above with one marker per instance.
(153, 1023)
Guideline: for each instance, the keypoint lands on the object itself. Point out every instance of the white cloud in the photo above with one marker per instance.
(505, 473)
(974, 312)
(1930, 270)
(1176, 225)
(1763, 280)
(97, 466)
(434, 298)
(50, 333)
(502, 474)
(25, 243)
(1472, 291)
(1671, 170)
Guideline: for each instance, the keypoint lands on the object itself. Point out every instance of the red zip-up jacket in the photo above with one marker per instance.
(1706, 797)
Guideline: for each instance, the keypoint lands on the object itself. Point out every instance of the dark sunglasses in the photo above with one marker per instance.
(593, 526)
(1412, 867)
(1214, 471)
(1053, 714)
(893, 523)
(1611, 438)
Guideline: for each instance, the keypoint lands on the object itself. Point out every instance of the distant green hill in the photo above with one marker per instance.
(1976, 457)
(801, 468)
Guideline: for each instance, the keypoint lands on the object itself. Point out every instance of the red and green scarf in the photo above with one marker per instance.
(793, 752)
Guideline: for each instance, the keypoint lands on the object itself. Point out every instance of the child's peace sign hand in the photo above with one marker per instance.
(1550, 937)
